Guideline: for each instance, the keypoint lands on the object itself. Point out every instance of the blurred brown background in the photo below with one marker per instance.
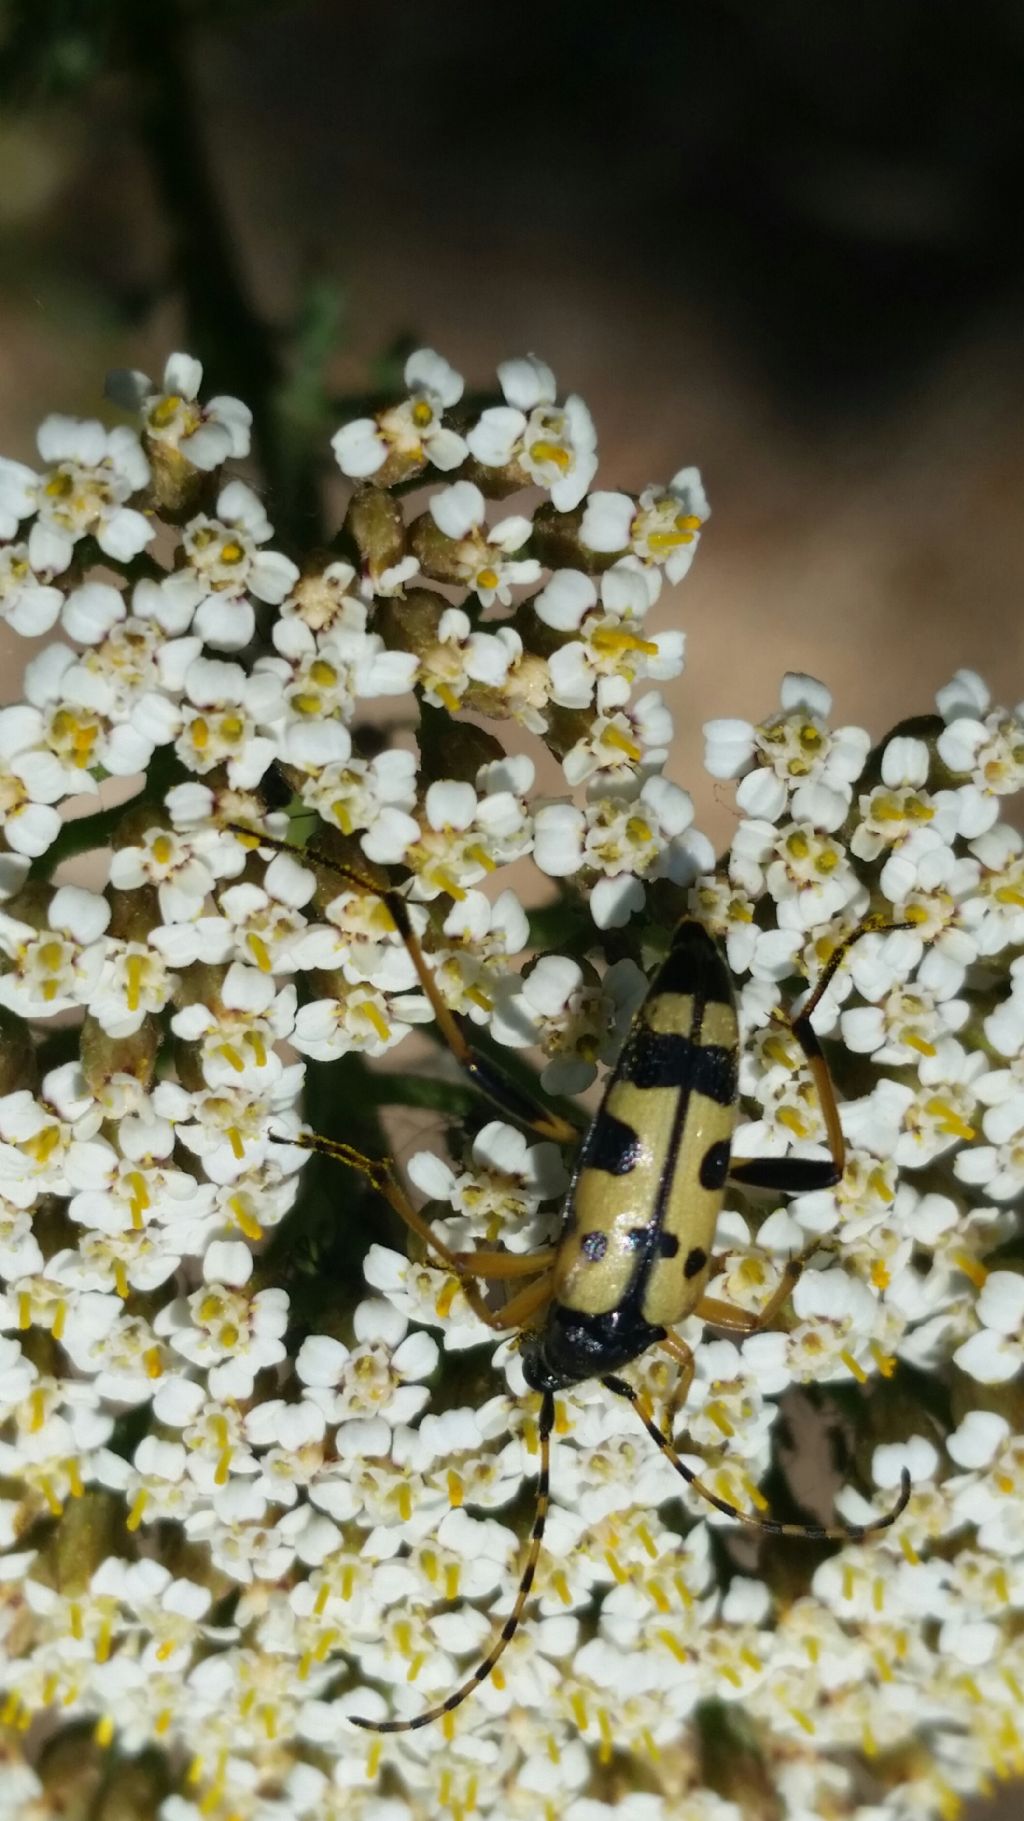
(782, 242)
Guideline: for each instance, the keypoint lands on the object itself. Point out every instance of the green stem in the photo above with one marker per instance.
(236, 347)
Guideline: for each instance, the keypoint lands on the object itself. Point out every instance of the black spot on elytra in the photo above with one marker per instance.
(665, 1059)
(668, 1244)
(695, 1262)
(714, 1165)
(594, 1246)
(637, 1238)
(615, 1147)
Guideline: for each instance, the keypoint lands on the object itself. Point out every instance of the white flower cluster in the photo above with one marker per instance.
(240, 1500)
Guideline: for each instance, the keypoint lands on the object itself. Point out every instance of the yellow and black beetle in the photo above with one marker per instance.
(635, 1251)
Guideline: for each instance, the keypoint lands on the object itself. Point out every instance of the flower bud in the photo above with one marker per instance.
(556, 542)
(89, 1530)
(176, 486)
(72, 1767)
(376, 526)
(439, 556)
(495, 483)
(103, 1057)
(410, 622)
(17, 1053)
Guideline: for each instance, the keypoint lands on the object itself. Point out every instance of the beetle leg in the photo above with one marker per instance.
(801, 1175)
(722, 1314)
(670, 1343)
(498, 1265)
(488, 1076)
(380, 1172)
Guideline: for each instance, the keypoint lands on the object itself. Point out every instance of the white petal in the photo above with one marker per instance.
(607, 521)
(456, 510)
(359, 449)
(527, 382)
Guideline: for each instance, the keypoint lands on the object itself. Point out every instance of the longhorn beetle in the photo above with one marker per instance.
(635, 1250)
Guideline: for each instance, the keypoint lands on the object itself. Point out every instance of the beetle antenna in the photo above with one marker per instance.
(819, 1533)
(512, 1623)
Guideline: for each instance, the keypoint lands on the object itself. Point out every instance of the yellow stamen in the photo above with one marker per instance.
(374, 1016)
(949, 1119)
(135, 1182)
(247, 1222)
(447, 884)
(673, 1645)
(853, 1366)
(139, 1504)
(53, 1502)
(717, 1414)
(260, 952)
(614, 736)
(134, 968)
(971, 1268)
(755, 1494)
(614, 639)
(914, 1042)
(480, 857)
(542, 451)
(682, 1590)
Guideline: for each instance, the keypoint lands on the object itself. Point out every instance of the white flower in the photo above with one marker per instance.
(226, 564)
(412, 433)
(791, 759)
(207, 435)
(222, 715)
(483, 557)
(626, 838)
(56, 967)
(554, 446)
(91, 473)
(577, 1021)
(375, 1379)
(26, 602)
(662, 529)
(230, 1333)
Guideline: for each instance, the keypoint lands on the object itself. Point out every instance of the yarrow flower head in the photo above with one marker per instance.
(265, 1446)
